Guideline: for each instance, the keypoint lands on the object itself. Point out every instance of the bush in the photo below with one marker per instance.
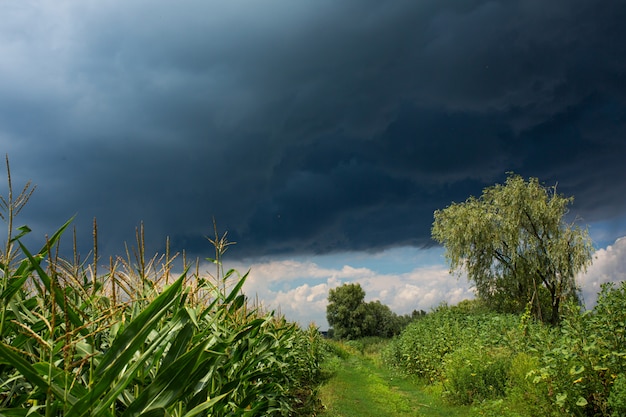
(368, 345)
(422, 347)
(498, 408)
(474, 375)
(577, 368)
(581, 363)
(525, 395)
(617, 397)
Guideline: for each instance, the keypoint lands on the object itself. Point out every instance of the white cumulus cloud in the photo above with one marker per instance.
(299, 289)
(609, 265)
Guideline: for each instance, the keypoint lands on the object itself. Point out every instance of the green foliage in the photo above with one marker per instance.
(499, 408)
(170, 355)
(135, 342)
(516, 247)
(617, 398)
(345, 311)
(352, 318)
(338, 349)
(583, 361)
(379, 320)
(525, 397)
(475, 374)
(510, 365)
(421, 346)
(367, 345)
(421, 349)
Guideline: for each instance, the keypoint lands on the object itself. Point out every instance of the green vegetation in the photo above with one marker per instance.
(351, 317)
(362, 386)
(136, 341)
(421, 347)
(467, 360)
(516, 247)
(525, 347)
(511, 365)
(345, 311)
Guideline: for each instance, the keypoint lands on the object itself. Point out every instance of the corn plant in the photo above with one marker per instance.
(137, 342)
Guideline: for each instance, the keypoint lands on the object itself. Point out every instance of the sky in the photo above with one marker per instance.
(321, 135)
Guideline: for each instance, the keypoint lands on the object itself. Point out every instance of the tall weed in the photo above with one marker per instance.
(510, 365)
(587, 355)
(475, 374)
(423, 346)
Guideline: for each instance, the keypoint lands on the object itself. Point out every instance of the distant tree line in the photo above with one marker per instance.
(350, 317)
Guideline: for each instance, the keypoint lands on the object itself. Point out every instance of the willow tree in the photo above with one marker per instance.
(516, 246)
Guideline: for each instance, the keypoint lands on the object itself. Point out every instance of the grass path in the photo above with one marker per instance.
(361, 388)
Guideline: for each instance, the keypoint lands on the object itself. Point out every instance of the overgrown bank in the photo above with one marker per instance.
(509, 365)
(466, 360)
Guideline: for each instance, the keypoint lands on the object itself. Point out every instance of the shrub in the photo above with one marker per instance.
(525, 395)
(581, 363)
(474, 374)
(617, 397)
(422, 347)
(498, 408)
(576, 368)
(368, 345)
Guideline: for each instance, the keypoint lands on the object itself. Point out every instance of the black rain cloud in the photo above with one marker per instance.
(306, 127)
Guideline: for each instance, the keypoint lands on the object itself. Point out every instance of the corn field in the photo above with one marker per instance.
(136, 340)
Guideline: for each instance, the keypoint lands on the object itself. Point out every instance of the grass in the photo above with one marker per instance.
(362, 387)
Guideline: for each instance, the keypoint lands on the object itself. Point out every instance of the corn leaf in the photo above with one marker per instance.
(236, 289)
(14, 286)
(123, 348)
(9, 357)
(157, 412)
(114, 390)
(58, 292)
(179, 346)
(20, 412)
(169, 385)
(32, 374)
(202, 408)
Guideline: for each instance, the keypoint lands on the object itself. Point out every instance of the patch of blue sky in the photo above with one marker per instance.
(606, 232)
(287, 285)
(390, 261)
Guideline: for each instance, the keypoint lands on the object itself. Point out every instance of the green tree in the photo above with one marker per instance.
(380, 320)
(345, 311)
(516, 247)
(351, 317)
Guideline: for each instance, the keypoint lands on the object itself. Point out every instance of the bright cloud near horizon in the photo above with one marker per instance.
(299, 288)
(321, 135)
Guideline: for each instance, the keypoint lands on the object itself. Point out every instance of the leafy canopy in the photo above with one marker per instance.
(345, 312)
(352, 318)
(516, 247)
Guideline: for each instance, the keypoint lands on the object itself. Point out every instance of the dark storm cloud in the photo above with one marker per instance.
(310, 126)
